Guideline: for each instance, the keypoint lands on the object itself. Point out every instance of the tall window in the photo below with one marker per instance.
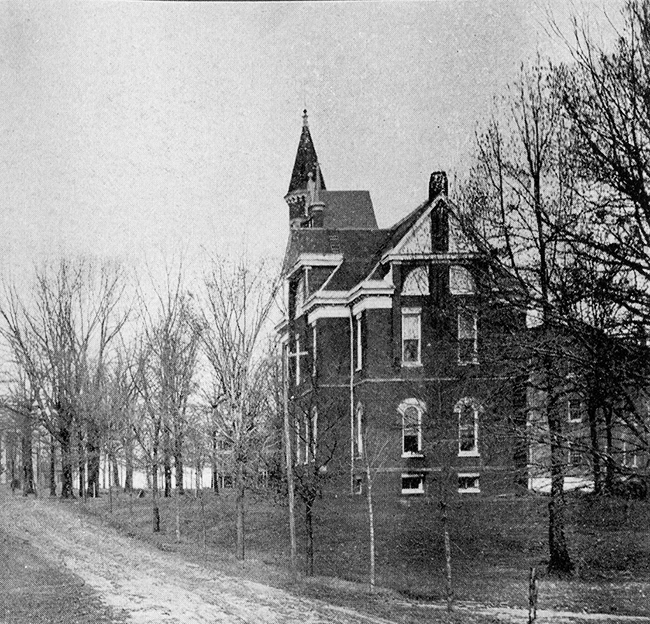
(358, 431)
(468, 412)
(313, 433)
(574, 410)
(411, 411)
(467, 337)
(359, 342)
(411, 336)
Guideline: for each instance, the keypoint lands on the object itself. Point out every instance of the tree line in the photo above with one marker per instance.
(148, 375)
(557, 197)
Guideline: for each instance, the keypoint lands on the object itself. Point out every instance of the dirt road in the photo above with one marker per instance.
(147, 584)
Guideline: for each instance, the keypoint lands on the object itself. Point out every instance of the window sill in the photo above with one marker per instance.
(412, 492)
(574, 421)
(468, 362)
(411, 364)
(468, 454)
(406, 455)
(469, 491)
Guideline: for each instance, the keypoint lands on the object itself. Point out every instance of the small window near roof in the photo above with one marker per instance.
(413, 483)
(461, 281)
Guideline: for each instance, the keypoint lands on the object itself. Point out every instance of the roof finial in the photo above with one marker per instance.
(317, 181)
(305, 123)
(311, 187)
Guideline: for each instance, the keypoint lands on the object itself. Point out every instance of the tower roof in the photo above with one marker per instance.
(306, 160)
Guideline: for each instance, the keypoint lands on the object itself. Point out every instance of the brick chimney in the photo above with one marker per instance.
(438, 184)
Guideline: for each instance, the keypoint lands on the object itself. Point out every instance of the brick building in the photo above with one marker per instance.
(388, 342)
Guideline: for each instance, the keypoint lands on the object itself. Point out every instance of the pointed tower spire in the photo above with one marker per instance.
(305, 169)
(306, 160)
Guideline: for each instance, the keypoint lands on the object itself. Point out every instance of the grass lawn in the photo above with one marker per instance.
(494, 543)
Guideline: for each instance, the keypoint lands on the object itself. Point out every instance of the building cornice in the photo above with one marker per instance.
(308, 260)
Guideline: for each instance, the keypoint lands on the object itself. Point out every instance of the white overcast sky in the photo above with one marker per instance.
(133, 129)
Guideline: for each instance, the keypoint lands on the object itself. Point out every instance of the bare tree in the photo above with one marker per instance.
(374, 456)
(520, 192)
(60, 334)
(163, 376)
(236, 300)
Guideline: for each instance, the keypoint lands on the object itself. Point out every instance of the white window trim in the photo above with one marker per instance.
(417, 312)
(419, 490)
(474, 359)
(458, 410)
(416, 285)
(630, 455)
(313, 435)
(421, 408)
(359, 343)
(472, 475)
(460, 269)
(569, 418)
(358, 430)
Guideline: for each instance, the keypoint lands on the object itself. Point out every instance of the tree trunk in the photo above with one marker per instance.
(66, 463)
(239, 509)
(215, 472)
(167, 465)
(128, 465)
(178, 461)
(154, 494)
(114, 468)
(309, 535)
(28, 460)
(445, 532)
(609, 460)
(592, 417)
(371, 523)
(81, 463)
(560, 562)
(94, 451)
(177, 510)
(52, 475)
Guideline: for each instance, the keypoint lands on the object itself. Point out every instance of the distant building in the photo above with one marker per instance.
(388, 344)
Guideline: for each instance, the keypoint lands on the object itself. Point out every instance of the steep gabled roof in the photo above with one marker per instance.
(306, 161)
(346, 210)
(358, 248)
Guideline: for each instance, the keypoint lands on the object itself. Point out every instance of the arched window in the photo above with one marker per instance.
(411, 411)
(358, 431)
(467, 411)
(417, 282)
